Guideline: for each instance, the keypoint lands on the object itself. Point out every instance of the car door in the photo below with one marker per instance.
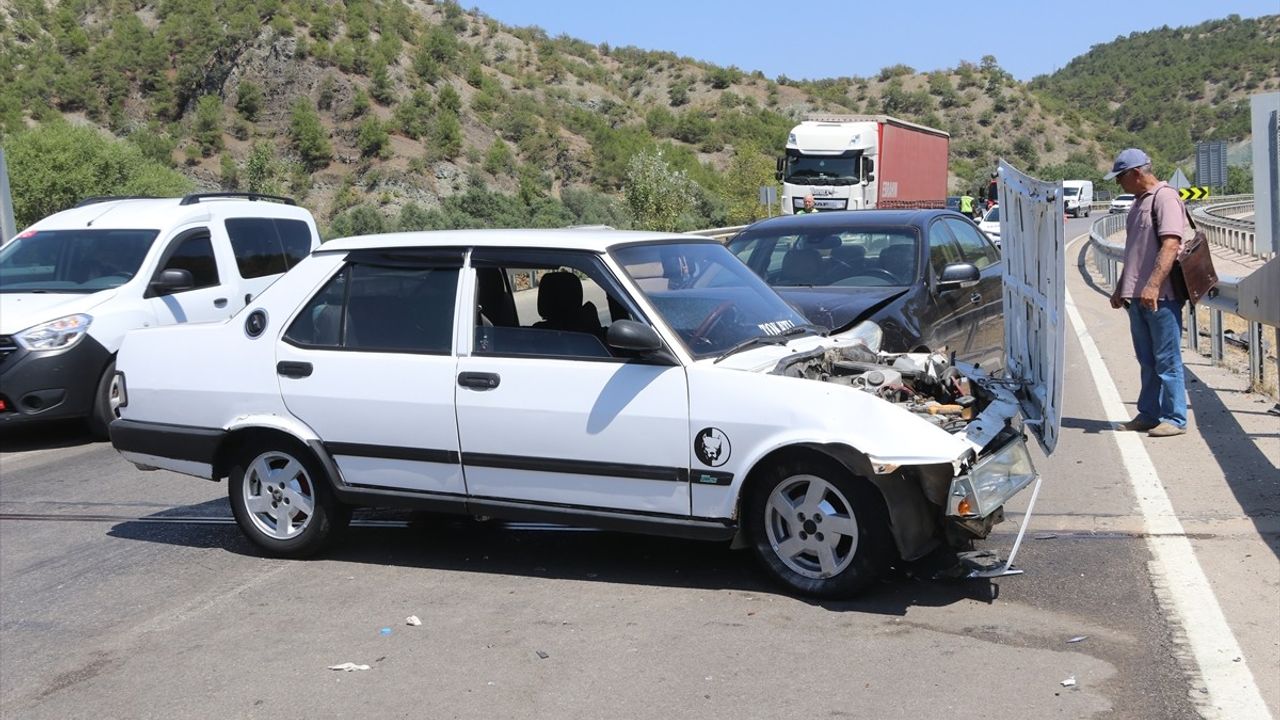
(208, 299)
(951, 310)
(547, 414)
(368, 364)
(976, 248)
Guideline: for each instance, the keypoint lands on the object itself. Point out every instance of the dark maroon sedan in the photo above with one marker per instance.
(930, 278)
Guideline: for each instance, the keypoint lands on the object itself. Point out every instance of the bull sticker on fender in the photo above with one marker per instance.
(712, 447)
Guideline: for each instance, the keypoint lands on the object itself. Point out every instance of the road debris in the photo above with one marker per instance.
(349, 667)
(1069, 682)
(542, 655)
(412, 620)
(1045, 536)
(384, 631)
(1078, 638)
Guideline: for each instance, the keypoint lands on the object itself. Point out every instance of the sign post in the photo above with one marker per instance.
(768, 196)
(7, 226)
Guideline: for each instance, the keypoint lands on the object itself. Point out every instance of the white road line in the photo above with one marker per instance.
(1233, 692)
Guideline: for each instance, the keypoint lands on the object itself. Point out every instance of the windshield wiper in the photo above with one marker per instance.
(780, 339)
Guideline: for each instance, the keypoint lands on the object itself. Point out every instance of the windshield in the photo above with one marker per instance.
(993, 215)
(72, 261)
(1124, 197)
(822, 170)
(709, 298)
(831, 256)
(1071, 191)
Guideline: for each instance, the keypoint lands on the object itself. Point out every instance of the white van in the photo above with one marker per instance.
(74, 283)
(1077, 197)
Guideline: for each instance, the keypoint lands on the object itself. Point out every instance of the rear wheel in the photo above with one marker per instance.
(281, 500)
(818, 529)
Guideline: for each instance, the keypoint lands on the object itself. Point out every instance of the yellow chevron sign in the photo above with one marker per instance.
(1193, 193)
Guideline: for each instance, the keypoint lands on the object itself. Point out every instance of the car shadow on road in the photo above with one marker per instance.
(1089, 426)
(45, 436)
(1248, 472)
(433, 542)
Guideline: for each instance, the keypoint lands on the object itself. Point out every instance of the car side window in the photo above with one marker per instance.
(380, 308)
(943, 249)
(194, 253)
(974, 245)
(545, 304)
(267, 246)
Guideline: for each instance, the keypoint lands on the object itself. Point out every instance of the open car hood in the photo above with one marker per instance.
(1034, 263)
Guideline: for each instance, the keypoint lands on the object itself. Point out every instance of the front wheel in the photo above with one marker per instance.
(106, 403)
(281, 501)
(818, 529)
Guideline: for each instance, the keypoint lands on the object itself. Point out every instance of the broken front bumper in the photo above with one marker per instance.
(992, 482)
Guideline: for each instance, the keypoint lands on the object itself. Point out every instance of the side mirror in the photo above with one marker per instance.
(868, 170)
(172, 281)
(780, 168)
(958, 275)
(634, 336)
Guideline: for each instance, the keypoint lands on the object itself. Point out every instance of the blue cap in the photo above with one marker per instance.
(1127, 160)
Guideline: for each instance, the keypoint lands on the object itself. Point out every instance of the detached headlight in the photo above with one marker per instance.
(55, 334)
(992, 482)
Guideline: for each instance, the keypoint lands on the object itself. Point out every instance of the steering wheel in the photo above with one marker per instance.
(712, 320)
(880, 273)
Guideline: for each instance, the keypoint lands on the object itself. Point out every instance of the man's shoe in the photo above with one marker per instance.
(1166, 430)
(1136, 425)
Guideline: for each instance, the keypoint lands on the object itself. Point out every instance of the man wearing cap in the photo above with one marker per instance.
(1153, 235)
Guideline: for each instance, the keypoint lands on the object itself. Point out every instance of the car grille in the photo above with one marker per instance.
(7, 347)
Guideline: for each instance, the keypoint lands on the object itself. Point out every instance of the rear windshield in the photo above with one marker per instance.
(72, 261)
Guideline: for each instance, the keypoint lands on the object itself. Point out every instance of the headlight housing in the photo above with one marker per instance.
(992, 482)
(57, 334)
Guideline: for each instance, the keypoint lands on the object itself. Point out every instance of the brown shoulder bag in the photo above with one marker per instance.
(1193, 275)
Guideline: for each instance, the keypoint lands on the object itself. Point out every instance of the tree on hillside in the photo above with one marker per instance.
(308, 135)
(656, 193)
(52, 167)
(749, 170)
(207, 128)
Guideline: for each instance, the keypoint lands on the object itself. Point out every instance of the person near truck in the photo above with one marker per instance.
(1154, 230)
(808, 206)
(966, 205)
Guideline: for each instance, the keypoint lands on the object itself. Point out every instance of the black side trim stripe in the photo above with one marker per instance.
(575, 467)
(390, 452)
(411, 491)
(711, 477)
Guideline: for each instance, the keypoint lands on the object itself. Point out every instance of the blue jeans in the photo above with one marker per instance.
(1157, 341)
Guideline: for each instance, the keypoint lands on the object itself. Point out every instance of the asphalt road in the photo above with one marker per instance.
(126, 594)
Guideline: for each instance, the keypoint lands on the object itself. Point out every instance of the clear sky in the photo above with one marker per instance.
(816, 40)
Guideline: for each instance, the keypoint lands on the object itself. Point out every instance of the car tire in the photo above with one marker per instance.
(282, 501)
(818, 529)
(106, 404)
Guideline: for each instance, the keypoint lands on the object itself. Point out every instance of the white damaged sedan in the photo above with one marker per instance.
(620, 380)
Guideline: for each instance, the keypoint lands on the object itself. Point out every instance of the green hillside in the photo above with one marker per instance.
(405, 114)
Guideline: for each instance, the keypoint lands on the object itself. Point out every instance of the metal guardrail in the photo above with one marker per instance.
(1106, 237)
(1223, 226)
(721, 234)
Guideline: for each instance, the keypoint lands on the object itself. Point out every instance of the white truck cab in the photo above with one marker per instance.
(74, 283)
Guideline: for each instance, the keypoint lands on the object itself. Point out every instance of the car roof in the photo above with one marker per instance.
(595, 240)
(162, 213)
(844, 219)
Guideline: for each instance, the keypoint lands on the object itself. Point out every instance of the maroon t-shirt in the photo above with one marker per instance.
(1141, 242)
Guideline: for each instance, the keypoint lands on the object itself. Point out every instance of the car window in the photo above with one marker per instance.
(545, 304)
(378, 308)
(195, 255)
(84, 260)
(824, 256)
(943, 249)
(267, 246)
(973, 244)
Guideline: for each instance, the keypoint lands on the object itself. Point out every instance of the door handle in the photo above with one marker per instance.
(479, 380)
(293, 369)
(248, 298)
(220, 302)
(975, 298)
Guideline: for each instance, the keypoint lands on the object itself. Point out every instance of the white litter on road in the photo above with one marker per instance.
(348, 667)
(1069, 682)
(412, 620)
